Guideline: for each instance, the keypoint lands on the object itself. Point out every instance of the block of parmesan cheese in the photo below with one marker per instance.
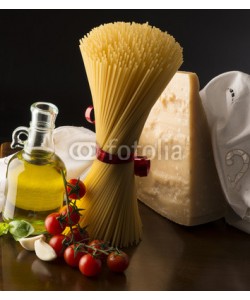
(182, 184)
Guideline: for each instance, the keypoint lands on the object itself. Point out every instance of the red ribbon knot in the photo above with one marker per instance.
(141, 163)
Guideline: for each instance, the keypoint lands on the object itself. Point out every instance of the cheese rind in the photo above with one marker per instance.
(182, 184)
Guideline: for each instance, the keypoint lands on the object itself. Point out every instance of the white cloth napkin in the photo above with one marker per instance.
(74, 145)
(226, 100)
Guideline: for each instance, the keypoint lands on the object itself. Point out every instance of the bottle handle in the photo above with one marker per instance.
(16, 137)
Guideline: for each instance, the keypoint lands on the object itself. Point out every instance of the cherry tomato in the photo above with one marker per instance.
(53, 224)
(59, 244)
(89, 265)
(80, 235)
(118, 261)
(98, 244)
(75, 189)
(72, 215)
(72, 256)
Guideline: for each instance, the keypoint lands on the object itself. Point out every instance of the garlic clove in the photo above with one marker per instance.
(44, 251)
(29, 243)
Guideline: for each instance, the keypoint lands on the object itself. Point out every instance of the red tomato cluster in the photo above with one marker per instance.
(89, 257)
(69, 215)
(75, 247)
(56, 223)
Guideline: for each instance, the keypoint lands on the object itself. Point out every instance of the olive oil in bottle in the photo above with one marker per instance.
(35, 185)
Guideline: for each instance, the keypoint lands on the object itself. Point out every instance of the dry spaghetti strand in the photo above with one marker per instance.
(128, 65)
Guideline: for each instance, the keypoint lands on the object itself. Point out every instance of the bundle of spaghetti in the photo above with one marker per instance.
(128, 65)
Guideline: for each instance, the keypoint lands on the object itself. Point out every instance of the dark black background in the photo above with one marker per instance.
(40, 58)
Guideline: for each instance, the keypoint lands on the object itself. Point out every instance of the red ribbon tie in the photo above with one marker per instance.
(88, 112)
(141, 163)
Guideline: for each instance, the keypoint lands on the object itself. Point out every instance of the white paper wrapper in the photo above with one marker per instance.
(226, 101)
(74, 145)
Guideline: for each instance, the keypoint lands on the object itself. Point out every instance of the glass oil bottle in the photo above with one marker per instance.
(35, 184)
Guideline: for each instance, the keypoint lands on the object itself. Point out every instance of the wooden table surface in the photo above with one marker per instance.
(214, 256)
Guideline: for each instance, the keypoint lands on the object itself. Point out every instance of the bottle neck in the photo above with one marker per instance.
(40, 140)
(39, 145)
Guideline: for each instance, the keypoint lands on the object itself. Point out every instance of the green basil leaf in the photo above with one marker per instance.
(4, 228)
(20, 229)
